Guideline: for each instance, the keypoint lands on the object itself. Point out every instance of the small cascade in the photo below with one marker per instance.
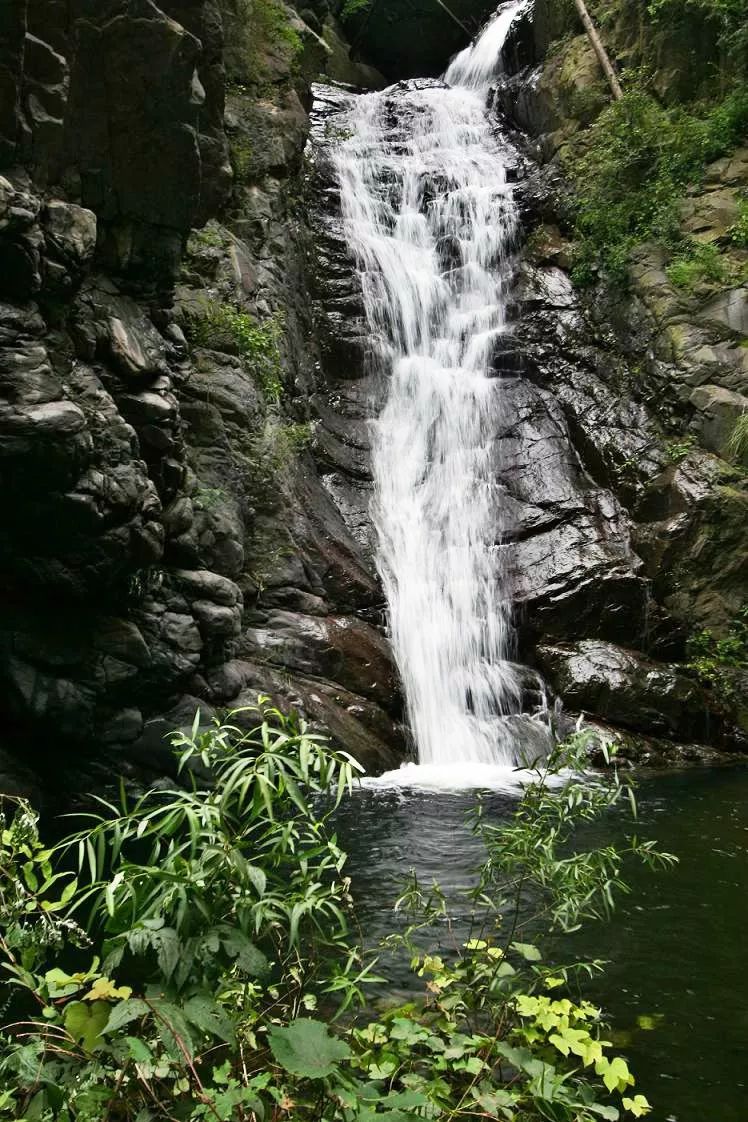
(476, 66)
(430, 217)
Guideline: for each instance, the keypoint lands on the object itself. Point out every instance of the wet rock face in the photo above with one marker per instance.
(120, 103)
(165, 515)
(650, 383)
(416, 39)
(627, 690)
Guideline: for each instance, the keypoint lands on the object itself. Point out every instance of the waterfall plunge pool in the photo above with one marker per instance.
(676, 987)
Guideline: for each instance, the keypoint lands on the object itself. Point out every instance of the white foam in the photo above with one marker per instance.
(454, 777)
(479, 63)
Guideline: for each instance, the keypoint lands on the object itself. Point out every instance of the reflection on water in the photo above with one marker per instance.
(676, 988)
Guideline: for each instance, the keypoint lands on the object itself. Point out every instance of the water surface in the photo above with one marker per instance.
(677, 946)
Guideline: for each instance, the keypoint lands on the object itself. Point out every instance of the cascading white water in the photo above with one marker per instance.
(430, 218)
(480, 62)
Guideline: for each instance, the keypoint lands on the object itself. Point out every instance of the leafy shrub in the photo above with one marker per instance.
(728, 17)
(677, 449)
(220, 909)
(632, 170)
(739, 232)
(698, 263)
(220, 917)
(223, 327)
(709, 656)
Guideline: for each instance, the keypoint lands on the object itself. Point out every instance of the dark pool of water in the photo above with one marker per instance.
(677, 946)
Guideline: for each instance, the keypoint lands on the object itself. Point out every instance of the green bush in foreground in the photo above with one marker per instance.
(177, 975)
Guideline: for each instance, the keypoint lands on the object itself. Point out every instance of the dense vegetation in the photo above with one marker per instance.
(635, 164)
(728, 17)
(633, 170)
(199, 962)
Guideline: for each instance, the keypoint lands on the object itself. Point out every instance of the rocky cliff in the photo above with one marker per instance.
(651, 379)
(168, 541)
(184, 401)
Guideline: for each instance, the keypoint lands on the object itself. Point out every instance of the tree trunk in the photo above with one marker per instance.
(600, 51)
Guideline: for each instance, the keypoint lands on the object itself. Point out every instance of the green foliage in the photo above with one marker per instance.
(222, 907)
(283, 441)
(728, 17)
(717, 662)
(220, 913)
(209, 498)
(264, 456)
(210, 236)
(223, 327)
(353, 8)
(710, 656)
(269, 32)
(739, 232)
(677, 449)
(632, 171)
(306, 1048)
(242, 157)
(737, 445)
(696, 265)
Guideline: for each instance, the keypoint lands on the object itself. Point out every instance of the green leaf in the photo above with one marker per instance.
(249, 959)
(609, 1113)
(207, 1016)
(125, 1012)
(492, 1100)
(139, 1051)
(61, 984)
(473, 1064)
(86, 1022)
(257, 878)
(306, 1048)
(615, 1073)
(523, 1060)
(383, 1070)
(173, 1029)
(405, 1099)
(168, 950)
(528, 951)
(637, 1106)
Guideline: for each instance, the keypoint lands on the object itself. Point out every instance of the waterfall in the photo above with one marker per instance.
(430, 217)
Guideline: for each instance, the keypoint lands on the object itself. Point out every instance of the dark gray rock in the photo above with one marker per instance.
(624, 688)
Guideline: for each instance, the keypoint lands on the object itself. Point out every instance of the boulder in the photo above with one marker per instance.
(624, 688)
(718, 411)
(70, 231)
